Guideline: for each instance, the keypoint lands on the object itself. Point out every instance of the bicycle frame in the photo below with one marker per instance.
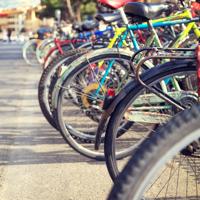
(183, 18)
(98, 33)
(82, 38)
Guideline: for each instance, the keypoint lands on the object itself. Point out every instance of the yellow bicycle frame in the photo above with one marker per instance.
(186, 14)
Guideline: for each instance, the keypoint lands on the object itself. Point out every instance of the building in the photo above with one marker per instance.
(19, 15)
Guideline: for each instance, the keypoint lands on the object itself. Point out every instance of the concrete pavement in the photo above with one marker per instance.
(35, 162)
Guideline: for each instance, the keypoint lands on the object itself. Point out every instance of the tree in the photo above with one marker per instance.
(51, 6)
(72, 10)
(73, 7)
(88, 8)
(78, 8)
(53, 3)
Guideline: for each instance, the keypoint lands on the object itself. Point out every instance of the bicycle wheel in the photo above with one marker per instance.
(29, 52)
(145, 110)
(166, 165)
(43, 49)
(46, 78)
(54, 53)
(76, 100)
(49, 78)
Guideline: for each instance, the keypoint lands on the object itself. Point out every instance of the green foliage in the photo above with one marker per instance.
(51, 6)
(53, 3)
(88, 8)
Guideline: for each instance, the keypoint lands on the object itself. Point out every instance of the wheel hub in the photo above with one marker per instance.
(89, 99)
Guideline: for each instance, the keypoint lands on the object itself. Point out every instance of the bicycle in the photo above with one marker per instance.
(147, 104)
(166, 164)
(30, 47)
(80, 41)
(65, 125)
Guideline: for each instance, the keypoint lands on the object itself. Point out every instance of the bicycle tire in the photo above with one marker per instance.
(43, 48)
(54, 52)
(46, 76)
(68, 57)
(25, 52)
(62, 126)
(153, 153)
(148, 77)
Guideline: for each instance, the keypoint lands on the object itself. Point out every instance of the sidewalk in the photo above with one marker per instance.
(35, 162)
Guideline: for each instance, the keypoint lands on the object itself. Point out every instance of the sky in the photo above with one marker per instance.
(9, 4)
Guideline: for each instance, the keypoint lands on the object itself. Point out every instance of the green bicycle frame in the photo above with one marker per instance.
(183, 18)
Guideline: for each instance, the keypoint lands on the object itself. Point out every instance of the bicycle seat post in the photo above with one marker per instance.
(125, 20)
(123, 15)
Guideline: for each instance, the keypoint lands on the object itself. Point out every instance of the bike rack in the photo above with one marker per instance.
(164, 53)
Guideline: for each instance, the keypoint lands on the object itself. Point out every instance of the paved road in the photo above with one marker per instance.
(35, 162)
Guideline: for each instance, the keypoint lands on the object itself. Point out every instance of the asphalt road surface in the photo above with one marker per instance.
(35, 162)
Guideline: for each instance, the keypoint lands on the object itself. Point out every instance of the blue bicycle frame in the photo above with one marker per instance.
(98, 33)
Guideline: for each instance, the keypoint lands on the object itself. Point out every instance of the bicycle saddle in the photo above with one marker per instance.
(145, 11)
(108, 17)
(90, 25)
(115, 4)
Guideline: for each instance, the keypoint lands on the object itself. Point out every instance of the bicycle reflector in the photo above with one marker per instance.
(108, 98)
(111, 92)
(195, 6)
